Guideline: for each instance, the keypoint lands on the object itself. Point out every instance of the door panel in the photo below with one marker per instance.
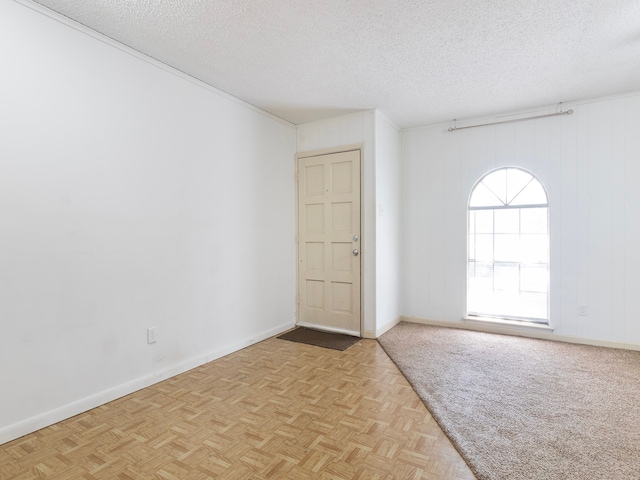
(328, 236)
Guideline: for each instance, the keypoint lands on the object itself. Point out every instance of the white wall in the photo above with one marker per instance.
(345, 130)
(129, 197)
(589, 163)
(388, 222)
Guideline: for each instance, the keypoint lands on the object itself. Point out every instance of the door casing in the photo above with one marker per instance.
(363, 253)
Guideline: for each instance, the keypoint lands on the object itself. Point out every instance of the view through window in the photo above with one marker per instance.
(508, 247)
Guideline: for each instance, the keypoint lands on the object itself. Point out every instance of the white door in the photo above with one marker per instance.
(329, 242)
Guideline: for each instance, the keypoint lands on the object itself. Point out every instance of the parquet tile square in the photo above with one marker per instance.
(275, 410)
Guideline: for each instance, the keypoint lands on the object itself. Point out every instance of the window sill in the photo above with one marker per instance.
(508, 323)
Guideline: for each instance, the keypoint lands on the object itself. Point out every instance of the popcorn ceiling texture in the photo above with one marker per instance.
(420, 62)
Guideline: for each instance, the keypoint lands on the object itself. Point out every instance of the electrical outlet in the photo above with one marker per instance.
(152, 335)
(582, 310)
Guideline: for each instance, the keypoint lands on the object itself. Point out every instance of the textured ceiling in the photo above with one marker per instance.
(419, 62)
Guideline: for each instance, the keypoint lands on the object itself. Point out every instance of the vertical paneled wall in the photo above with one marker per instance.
(589, 163)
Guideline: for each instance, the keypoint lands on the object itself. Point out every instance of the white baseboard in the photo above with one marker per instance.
(521, 332)
(369, 334)
(373, 334)
(30, 425)
(386, 327)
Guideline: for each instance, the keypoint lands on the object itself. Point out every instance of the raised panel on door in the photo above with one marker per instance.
(328, 234)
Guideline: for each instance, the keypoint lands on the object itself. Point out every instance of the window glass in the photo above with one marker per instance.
(484, 247)
(534, 220)
(532, 194)
(482, 196)
(507, 221)
(517, 181)
(483, 221)
(507, 248)
(496, 182)
(508, 256)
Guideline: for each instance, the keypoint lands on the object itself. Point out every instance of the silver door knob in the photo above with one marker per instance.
(355, 238)
(355, 252)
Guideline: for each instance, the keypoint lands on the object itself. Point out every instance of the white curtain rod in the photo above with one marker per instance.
(561, 112)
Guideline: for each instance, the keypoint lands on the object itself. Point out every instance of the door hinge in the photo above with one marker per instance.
(298, 299)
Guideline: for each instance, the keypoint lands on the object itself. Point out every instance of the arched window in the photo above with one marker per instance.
(508, 248)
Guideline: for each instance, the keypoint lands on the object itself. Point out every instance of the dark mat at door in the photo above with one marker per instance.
(337, 341)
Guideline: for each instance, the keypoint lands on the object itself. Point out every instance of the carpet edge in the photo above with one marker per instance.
(436, 416)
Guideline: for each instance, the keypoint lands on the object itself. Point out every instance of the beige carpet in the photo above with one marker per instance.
(519, 408)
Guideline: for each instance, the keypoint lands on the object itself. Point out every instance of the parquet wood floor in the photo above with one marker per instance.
(277, 409)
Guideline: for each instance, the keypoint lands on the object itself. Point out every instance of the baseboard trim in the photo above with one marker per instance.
(520, 332)
(371, 334)
(388, 326)
(30, 425)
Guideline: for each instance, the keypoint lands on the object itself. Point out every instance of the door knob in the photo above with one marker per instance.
(355, 252)
(355, 238)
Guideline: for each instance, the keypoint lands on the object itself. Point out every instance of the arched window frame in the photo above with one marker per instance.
(512, 282)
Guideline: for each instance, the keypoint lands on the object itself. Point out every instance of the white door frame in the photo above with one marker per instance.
(363, 252)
